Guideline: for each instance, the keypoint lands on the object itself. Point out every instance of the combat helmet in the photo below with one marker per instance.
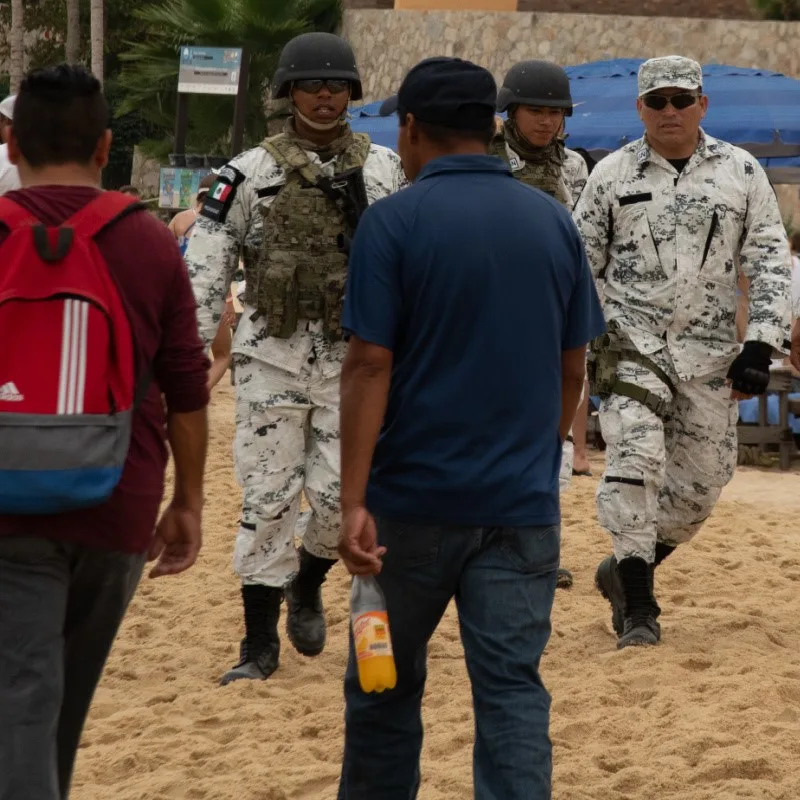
(535, 83)
(316, 55)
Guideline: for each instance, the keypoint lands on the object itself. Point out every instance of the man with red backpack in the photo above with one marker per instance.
(100, 359)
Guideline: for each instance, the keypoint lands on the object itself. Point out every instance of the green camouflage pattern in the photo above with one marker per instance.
(301, 271)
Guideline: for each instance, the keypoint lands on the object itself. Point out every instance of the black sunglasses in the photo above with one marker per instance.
(659, 102)
(314, 86)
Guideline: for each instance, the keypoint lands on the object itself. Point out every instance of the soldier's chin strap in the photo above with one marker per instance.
(321, 126)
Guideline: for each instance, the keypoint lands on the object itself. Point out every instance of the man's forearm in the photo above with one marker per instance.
(188, 439)
(364, 394)
(571, 392)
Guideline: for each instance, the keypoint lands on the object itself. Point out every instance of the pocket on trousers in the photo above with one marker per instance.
(622, 503)
(409, 545)
(533, 551)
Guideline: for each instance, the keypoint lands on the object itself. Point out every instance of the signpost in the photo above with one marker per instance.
(205, 70)
(210, 70)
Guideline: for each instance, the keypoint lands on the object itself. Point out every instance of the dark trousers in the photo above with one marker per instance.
(60, 608)
(503, 581)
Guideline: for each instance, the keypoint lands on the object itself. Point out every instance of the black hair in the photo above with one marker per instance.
(445, 136)
(796, 242)
(60, 114)
(128, 189)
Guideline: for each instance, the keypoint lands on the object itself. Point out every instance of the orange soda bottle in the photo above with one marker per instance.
(373, 644)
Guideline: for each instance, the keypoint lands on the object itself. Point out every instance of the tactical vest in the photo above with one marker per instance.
(547, 177)
(301, 270)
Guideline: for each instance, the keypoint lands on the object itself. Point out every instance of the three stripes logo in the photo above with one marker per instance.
(72, 375)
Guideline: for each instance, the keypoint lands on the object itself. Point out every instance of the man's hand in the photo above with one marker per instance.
(795, 357)
(749, 372)
(177, 541)
(358, 544)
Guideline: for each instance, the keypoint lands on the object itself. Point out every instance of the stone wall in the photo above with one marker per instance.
(388, 43)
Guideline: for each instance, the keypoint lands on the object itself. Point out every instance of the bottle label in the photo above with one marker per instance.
(371, 634)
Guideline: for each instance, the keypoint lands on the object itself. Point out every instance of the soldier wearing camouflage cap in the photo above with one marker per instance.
(280, 207)
(669, 221)
(537, 97)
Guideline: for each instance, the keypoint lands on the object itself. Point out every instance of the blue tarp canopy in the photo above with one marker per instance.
(755, 109)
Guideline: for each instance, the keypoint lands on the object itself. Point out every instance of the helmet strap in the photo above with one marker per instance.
(339, 122)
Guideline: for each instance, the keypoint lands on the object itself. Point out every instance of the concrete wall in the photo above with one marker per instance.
(388, 43)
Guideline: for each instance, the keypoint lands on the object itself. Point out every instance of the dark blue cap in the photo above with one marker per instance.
(449, 92)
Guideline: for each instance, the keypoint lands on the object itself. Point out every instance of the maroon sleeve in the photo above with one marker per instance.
(181, 365)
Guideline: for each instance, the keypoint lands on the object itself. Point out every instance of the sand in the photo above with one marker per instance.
(713, 712)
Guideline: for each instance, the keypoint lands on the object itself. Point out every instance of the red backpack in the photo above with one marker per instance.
(67, 379)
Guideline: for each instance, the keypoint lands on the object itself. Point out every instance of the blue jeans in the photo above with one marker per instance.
(503, 581)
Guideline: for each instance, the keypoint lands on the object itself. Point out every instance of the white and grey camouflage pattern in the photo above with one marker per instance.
(670, 246)
(669, 72)
(214, 249)
(287, 390)
(662, 481)
(574, 172)
(287, 442)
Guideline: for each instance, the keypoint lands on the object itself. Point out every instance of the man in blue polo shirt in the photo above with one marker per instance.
(469, 307)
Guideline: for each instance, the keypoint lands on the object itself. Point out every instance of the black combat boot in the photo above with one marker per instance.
(260, 649)
(305, 620)
(609, 584)
(641, 610)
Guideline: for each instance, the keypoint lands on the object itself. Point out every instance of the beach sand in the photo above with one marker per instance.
(713, 713)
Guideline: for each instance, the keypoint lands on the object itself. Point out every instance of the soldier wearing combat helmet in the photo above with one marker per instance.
(668, 221)
(289, 207)
(537, 97)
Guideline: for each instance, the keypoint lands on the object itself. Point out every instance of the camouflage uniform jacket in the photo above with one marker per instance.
(668, 246)
(250, 180)
(574, 172)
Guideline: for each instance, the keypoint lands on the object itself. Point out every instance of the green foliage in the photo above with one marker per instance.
(149, 75)
(778, 9)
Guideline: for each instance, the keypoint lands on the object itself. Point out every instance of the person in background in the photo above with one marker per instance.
(469, 306)
(536, 94)
(182, 225)
(9, 178)
(131, 190)
(66, 579)
(670, 221)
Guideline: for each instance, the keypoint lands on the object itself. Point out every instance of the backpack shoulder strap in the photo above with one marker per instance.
(99, 213)
(13, 215)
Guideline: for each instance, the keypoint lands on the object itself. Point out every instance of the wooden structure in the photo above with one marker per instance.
(763, 435)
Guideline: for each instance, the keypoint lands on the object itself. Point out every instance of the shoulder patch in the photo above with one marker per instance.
(221, 195)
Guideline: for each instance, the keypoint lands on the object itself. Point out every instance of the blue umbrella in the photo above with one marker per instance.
(755, 109)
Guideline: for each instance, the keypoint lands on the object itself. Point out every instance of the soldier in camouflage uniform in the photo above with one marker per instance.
(278, 205)
(537, 97)
(665, 221)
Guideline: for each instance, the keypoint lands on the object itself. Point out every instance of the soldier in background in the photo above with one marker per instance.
(537, 97)
(665, 220)
(279, 206)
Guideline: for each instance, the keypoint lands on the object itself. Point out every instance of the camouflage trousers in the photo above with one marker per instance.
(287, 442)
(662, 480)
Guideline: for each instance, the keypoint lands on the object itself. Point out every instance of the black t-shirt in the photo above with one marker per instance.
(679, 163)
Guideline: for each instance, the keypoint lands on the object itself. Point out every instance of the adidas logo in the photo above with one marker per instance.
(10, 394)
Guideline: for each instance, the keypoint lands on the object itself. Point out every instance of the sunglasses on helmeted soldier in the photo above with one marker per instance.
(313, 86)
(658, 102)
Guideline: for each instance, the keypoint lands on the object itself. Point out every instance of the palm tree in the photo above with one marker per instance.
(17, 41)
(149, 77)
(72, 43)
(97, 9)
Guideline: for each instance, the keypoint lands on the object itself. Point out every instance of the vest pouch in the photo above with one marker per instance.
(334, 304)
(279, 291)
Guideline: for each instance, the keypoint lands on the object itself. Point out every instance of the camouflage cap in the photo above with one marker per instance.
(669, 72)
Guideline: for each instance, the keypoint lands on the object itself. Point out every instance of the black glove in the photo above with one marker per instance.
(750, 369)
